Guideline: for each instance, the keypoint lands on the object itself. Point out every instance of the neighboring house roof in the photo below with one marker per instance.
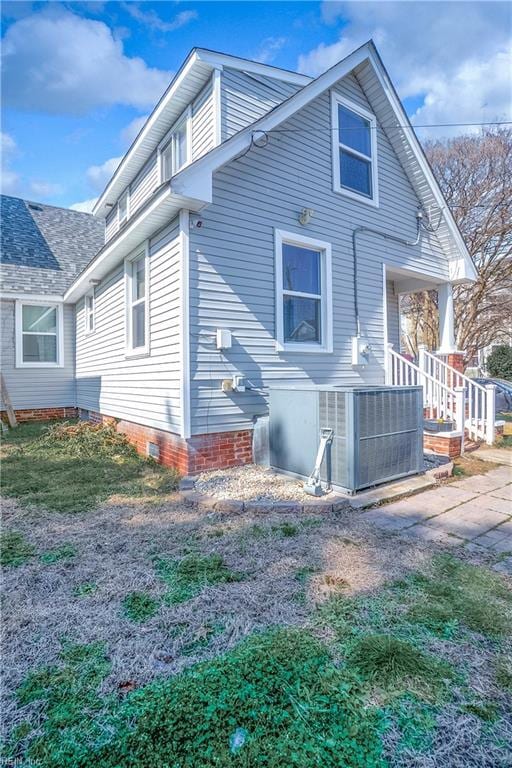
(43, 248)
(193, 74)
(192, 187)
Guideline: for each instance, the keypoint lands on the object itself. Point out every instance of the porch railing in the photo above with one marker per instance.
(440, 401)
(480, 409)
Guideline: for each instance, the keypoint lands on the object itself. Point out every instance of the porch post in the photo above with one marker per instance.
(446, 319)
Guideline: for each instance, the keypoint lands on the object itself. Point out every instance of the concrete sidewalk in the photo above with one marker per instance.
(477, 509)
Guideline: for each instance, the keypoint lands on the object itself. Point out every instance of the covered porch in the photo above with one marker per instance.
(448, 394)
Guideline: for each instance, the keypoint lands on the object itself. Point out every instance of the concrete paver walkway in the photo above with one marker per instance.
(476, 510)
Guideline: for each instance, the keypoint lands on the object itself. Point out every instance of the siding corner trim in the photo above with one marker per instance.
(185, 324)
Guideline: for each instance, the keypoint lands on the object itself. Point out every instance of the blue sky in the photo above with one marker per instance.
(79, 77)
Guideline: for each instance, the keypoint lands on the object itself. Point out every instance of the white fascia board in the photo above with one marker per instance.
(112, 253)
(166, 204)
(148, 125)
(408, 129)
(255, 67)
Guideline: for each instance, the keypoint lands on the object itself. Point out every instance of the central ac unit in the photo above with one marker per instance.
(378, 432)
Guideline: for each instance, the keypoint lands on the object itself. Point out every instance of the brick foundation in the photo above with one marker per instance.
(42, 414)
(198, 453)
(448, 445)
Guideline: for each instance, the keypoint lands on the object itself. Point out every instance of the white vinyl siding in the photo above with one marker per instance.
(41, 386)
(245, 97)
(232, 269)
(145, 390)
(203, 127)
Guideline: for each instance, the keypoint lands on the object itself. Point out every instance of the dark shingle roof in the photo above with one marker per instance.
(43, 248)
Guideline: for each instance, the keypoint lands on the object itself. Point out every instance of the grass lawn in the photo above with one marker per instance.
(139, 633)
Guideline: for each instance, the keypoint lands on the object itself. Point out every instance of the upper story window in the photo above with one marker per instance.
(175, 150)
(122, 208)
(137, 303)
(89, 311)
(354, 151)
(39, 335)
(303, 293)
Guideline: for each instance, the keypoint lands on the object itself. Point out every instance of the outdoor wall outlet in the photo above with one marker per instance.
(361, 350)
(239, 383)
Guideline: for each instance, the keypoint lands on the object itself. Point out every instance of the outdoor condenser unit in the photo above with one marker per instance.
(378, 432)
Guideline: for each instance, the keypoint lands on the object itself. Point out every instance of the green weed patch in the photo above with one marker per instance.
(186, 577)
(14, 549)
(64, 552)
(139, 606)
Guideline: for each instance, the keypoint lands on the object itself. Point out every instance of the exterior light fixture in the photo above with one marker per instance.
(305, 216)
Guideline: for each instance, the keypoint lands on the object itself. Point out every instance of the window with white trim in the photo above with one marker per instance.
(90, 300)
(175, 149)
(39, 332)
(122, 208)
(303, 293)
(137, 308)
(354, 151)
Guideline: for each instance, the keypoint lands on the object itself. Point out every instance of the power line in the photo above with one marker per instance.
(391, 125)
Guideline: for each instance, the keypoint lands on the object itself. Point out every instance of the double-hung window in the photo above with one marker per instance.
(89, 311)
(175, 149)
(137, 306)
(354, 151)
(122, 208)
(303, 293)
(39, 335)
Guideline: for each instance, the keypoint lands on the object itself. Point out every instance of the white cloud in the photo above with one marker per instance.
(44, 188)
(85, 206)
(10, 180)
(455, 56)
(269, 49)
(131, 131)
(152, 20)
(99, 175)
(58, 62)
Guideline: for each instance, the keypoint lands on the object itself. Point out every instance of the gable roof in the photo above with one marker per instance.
(192, 76)
(366, 64)
(43, 248)
(192, 187)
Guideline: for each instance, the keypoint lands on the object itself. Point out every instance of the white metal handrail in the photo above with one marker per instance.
(439, 400)
(480, 410)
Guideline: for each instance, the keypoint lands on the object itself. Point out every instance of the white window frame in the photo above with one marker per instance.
(90, 312)
(120, 221)
(20, 363)
(326, 329)
(337, 100)
(169, 140)
(131, 351)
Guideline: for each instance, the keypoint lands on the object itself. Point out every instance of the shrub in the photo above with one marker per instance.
(499, 362)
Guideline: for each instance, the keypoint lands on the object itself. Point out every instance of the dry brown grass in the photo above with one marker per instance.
(115, 546)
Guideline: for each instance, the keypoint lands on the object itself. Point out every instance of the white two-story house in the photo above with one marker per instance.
(258, 231)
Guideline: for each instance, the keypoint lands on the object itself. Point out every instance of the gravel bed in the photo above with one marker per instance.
(251, 483)
(254, 483)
